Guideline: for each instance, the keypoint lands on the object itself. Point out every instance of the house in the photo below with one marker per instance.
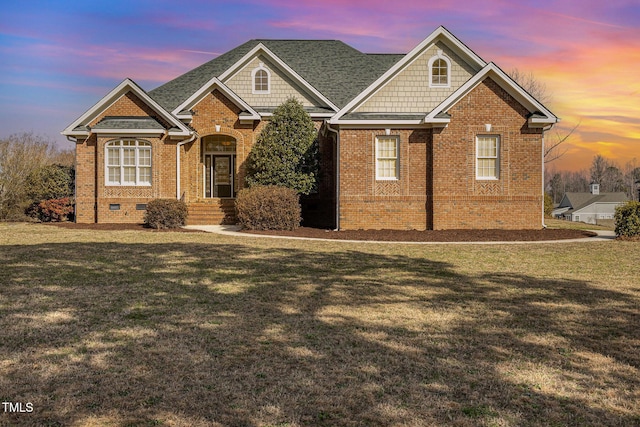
(589, 207)
(433, 139)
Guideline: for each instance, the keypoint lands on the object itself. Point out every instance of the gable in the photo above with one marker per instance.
(409, 91)
(281, 86)
(128, 105)
(538, 116)
(125, 101)
(442, 39)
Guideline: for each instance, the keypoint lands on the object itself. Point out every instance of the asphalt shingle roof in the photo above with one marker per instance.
(577, 201)
(113, 122)
(332, 67)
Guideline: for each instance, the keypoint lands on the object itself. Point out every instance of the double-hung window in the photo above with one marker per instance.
(487, 156)
(387, 162)
(128, 162)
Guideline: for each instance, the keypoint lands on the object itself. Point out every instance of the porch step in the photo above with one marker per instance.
(213, 212)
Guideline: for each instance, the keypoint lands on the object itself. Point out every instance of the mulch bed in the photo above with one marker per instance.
(432, 235)
(377, 235)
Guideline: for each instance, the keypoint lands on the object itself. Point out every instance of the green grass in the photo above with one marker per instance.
(190, 329)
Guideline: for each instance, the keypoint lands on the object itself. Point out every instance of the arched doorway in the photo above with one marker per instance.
(219, 159)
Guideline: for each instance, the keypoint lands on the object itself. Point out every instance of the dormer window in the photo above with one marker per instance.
(439, 70)
(261, 78)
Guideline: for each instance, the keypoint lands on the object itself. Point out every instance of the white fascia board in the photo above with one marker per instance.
(507, 83)
(204, 90)
(409, 58)
(125, 86)
(261, 48)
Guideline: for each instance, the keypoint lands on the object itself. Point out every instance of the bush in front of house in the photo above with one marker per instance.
(166, 213)
(51, 210)
(268, 208)
(627, 219)
(286, 152)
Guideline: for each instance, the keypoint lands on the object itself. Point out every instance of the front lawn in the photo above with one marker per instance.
(135, 328)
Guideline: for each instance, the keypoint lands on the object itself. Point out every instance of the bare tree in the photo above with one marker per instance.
(631, 176)
(531, 84)
(553, 149)
(20, 154)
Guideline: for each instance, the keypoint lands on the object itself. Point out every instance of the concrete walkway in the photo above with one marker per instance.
(233, 230)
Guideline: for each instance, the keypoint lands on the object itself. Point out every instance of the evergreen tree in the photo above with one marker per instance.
(286, 151)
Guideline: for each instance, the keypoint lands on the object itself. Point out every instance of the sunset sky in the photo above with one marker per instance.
(60, 57)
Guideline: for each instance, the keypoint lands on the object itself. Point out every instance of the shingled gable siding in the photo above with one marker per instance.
(409, 91)
(282, 87)
(91, 171)
(367, 203)
(514, 201)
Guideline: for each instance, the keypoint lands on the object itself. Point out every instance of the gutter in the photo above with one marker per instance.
(330, 129)
(178, 145)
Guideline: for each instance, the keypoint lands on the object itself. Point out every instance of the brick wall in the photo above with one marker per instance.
(94, 198)
(514, 200)
(366, 203)
(437, 186)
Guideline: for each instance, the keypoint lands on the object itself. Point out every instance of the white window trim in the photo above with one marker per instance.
(397, 158)
(497, 157)
(253, 80)
(139, 144)
(439, 55)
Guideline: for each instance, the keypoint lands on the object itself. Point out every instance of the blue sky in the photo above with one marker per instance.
(61, 57)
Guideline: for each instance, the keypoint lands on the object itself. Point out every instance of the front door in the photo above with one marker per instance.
(219, 175)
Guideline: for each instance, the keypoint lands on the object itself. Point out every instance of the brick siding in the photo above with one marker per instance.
(437, 186)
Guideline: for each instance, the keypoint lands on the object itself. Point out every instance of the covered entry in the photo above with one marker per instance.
(218, 159)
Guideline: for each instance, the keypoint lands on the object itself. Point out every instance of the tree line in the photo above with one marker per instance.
(33, 170)
(610, 175)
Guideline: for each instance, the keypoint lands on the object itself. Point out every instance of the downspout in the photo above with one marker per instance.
(330, 129)
(178, 145)
(544, 130)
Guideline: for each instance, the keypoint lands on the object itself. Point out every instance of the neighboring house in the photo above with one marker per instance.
(589, 207)
(434, 139)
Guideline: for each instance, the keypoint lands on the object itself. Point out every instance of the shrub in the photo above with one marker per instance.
(268, 208)
(286, 151)
(51, 210)
(50, 182)
(627, 219)
(166, 213)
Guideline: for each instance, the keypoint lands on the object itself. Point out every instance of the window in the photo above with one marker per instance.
(128, 162)
(261, 79)
(439, 71)
(487, 158)
(387, 157)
